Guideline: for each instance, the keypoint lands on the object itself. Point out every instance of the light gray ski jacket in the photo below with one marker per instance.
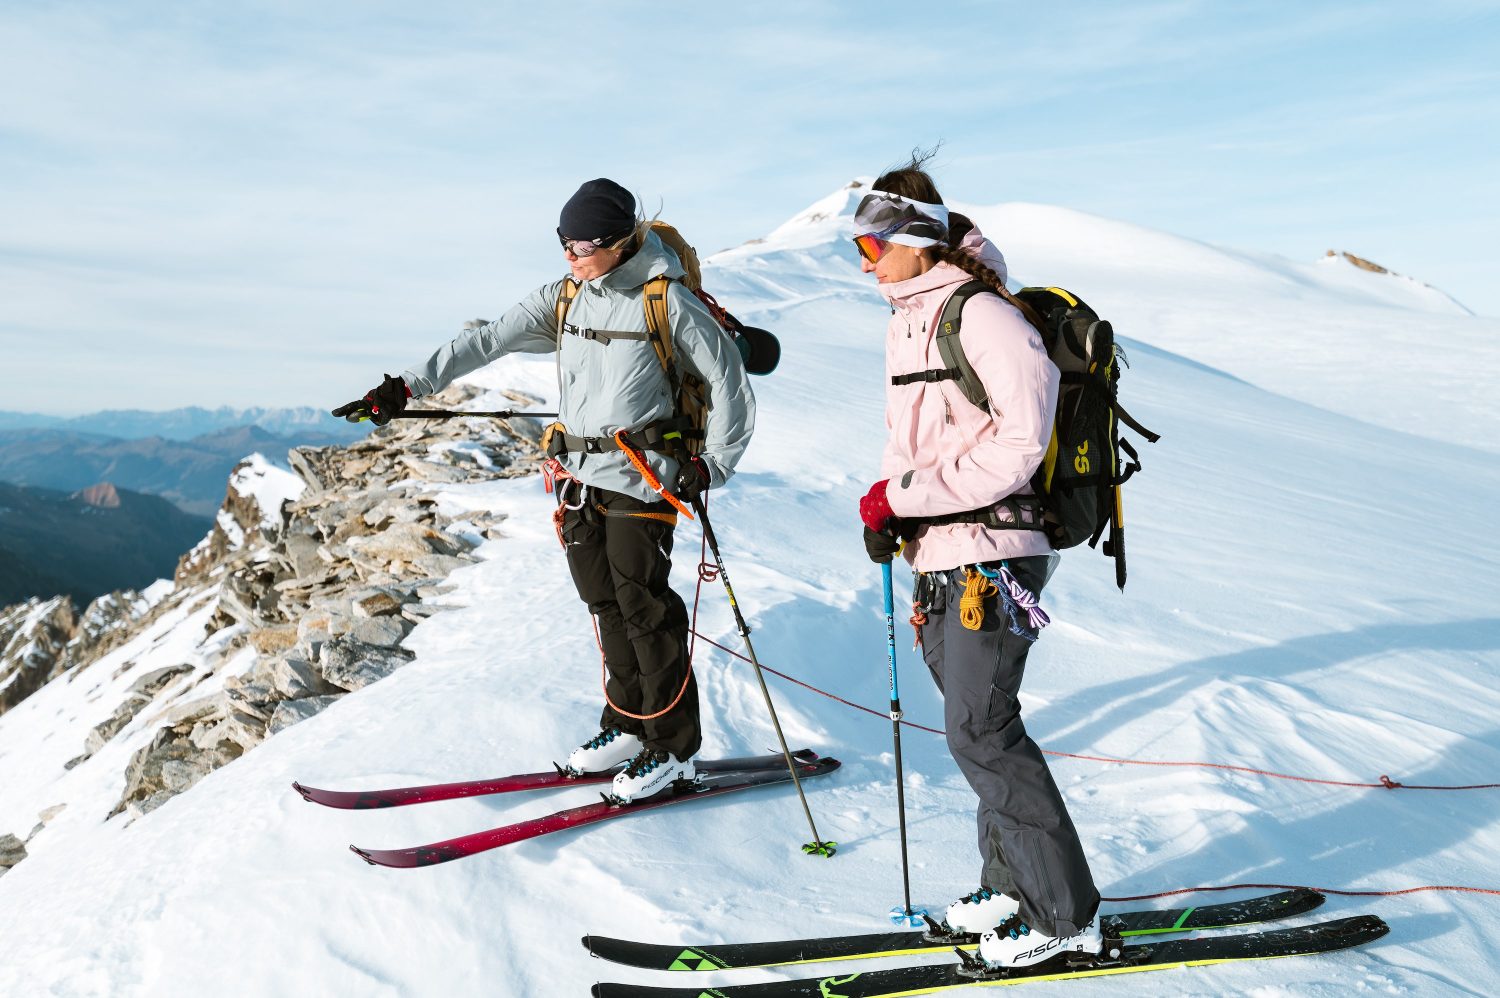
(619, 384)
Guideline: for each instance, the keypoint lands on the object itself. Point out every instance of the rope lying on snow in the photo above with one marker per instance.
(1385, 783)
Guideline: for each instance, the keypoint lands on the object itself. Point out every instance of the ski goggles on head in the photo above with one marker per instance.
(895, 219)
(584, 248)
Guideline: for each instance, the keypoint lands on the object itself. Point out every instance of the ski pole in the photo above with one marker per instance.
(450, 414)
(906, 913)
(817, 847)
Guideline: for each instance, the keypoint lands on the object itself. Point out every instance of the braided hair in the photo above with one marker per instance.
(913, 181)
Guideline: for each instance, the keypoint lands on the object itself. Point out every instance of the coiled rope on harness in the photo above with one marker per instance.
(977, 588)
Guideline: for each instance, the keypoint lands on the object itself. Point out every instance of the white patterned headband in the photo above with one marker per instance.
(896, 219)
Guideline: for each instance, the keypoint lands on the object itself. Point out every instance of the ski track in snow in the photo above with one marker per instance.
(1313, 583)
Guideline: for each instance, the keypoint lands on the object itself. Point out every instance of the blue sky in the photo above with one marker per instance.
(273, 203)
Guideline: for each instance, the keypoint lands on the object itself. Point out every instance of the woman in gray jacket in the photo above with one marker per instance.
(617, 525)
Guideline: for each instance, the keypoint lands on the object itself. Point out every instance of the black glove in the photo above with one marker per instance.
(692, 479)
(380, 404)
(881, 545)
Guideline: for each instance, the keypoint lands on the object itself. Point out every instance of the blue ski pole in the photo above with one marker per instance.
(903, 914)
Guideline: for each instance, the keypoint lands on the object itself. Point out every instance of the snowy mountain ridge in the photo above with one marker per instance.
(1284, 613)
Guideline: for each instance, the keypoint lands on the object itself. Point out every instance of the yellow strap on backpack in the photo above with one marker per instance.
(658, 323)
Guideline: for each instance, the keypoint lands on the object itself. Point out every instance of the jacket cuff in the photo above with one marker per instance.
(900, 495)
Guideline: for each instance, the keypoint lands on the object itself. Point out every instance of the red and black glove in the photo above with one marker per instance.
(875, 508)
(380, 404)
(692, 479)
(881, 523)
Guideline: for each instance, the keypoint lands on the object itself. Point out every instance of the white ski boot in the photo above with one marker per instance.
(980, 911)
(1013, 943)
(648, 774)
(603, 752)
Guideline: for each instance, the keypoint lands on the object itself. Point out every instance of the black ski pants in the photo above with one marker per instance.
(1029, 846)
(620, 555)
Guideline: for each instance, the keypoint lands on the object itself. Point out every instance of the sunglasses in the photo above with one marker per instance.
(871, 247)
(585, 248)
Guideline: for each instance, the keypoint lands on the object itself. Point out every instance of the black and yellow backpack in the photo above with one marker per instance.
(1080, 477)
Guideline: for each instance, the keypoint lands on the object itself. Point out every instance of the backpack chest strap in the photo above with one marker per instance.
(604, 336)
(928, 377)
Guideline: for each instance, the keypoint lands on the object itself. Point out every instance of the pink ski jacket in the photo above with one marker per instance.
(944, 454)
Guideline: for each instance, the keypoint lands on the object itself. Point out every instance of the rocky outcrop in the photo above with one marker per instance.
(102, 495)
(139, 697)
(322, 591)
(12, 851)
(1360, 262)
(43, 639)
(34, 637)
(311, 582)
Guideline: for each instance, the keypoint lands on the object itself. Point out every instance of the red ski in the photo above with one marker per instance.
(358, 800)
(708, 784)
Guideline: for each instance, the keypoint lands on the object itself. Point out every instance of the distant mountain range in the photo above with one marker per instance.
(90, 542)
(190, 472)
(166, 473)
(192, 422)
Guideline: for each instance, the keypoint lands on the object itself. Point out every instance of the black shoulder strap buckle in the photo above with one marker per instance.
(930, 376)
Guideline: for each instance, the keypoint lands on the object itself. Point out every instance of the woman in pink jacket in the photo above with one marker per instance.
(956, 484)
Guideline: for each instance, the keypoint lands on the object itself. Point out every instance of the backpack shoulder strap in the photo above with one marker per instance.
(565, 296)
(951, 348)
(658, 322)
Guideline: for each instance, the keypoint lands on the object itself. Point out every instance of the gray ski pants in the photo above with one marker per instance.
(1029, 846)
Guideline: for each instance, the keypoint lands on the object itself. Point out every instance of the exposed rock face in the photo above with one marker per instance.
(1360, 262)
(308, 601)
(323, 590)
(142, 692)
(102, 495)
(172, 763)
(43, 639)
(12, 851)
(33, 639)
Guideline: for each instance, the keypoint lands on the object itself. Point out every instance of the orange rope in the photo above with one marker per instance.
(971, 604)
(556, 472)
(604, 683)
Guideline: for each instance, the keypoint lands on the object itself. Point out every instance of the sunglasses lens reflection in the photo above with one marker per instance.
(869, 247)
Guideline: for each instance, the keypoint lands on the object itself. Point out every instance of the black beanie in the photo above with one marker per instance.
(600, 209)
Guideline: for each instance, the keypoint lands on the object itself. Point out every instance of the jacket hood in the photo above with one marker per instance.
(945, 274)
(653, 259)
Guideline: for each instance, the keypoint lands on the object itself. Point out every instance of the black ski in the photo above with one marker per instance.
(931, 978)
(651, 956)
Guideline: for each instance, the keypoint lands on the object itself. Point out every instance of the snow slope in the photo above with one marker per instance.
(1312, 591)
